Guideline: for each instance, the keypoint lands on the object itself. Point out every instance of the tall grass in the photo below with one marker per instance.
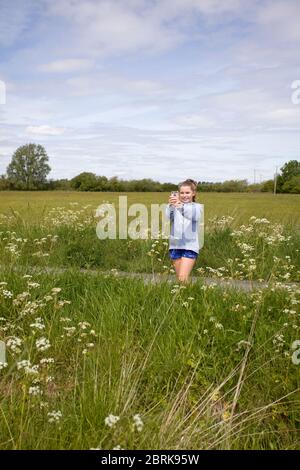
(204, 368)
(98, 360)
(66, 237)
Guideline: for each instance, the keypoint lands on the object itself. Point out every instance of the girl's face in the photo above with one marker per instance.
(186, 194)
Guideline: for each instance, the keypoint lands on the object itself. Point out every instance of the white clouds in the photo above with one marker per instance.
(67, 65)
(45, 130)
(284, 117)
(170, 9)
(118, 86)
(14, 19)
(281, 19)
(2, 92)
(195, 120)
(163, 155)
(158, 82)
(114, 27)
(110, 27)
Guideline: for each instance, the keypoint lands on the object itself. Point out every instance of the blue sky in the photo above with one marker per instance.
(162, 89)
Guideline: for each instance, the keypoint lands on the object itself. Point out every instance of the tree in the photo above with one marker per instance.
(290, 169)
(85, 181)
(254, 188)
(101, 183)
(268, 186)
(28, 168)
(114, 184)
(292, 185)
(234, 186)
(4, 183)
(62, 184)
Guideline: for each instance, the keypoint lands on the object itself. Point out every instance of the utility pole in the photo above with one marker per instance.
(254, 176)
(275, 180)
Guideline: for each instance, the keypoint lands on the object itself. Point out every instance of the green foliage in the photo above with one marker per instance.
(61, 184)
(28, 168)
(226, 187)
(289, 170)
(84, 182)
(90, 182)
(292, 185)
(288, 181)
(268, 186)
(23, 173)
(5, 184)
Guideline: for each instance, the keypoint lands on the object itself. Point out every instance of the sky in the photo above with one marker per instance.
(161, 89)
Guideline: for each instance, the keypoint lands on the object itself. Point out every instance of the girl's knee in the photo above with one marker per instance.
(183, 277)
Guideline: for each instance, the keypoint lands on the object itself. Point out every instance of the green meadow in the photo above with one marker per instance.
(59, 229)
(99, 361)
(279, 208)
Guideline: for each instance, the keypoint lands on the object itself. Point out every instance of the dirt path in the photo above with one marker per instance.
(158, 277)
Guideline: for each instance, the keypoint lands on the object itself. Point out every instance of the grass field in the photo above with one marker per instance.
(59, 229)
(280, 208)
(100, 361)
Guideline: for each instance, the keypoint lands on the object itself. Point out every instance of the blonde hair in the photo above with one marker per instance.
(192, 184)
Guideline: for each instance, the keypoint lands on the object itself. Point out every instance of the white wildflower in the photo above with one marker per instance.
(54, 416)
(138, 423)
(111, 420)
(48, 298)
(47, 360)
(32, 369)
(23, 364)
(35, 391)
(39, 325)
(55, 290)
(42, 344)
(7, 293)
(44, 404)
(84, 324)
(33, 284)
(13, 343)
(70, 330)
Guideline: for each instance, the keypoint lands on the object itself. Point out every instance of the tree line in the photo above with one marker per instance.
(29, 168)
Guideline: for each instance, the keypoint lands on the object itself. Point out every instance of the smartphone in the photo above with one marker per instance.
(174, 193)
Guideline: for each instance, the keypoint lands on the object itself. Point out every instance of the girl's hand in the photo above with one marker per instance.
(173, 200)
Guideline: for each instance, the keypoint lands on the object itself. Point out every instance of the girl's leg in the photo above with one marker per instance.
(185, 268)
(176, 264)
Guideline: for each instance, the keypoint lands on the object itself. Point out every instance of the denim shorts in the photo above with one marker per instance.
(176, 253)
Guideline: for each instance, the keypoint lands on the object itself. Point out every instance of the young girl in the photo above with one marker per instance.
(184, 214)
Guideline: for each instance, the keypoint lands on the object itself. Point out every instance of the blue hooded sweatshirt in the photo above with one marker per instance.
(184, 225)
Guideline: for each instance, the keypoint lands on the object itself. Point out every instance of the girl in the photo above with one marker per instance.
(184, 214)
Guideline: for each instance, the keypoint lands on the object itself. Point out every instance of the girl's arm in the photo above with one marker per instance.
(192, 211)
(170, 208)
(170, 211)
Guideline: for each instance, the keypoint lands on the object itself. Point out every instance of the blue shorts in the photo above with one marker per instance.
(176, 253)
